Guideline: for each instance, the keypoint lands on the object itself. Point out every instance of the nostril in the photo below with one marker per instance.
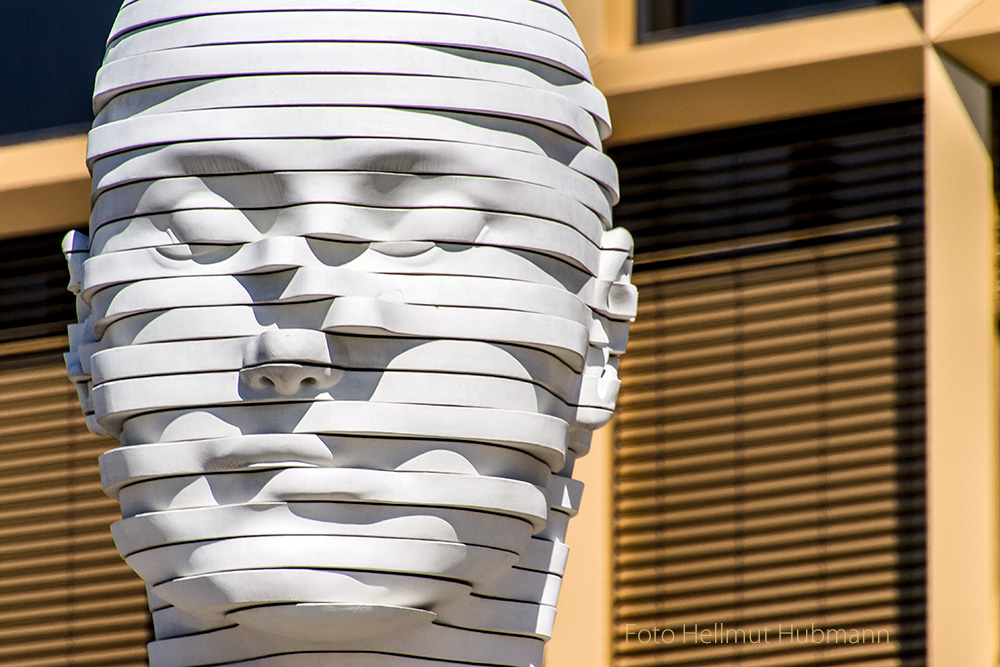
(288, 379)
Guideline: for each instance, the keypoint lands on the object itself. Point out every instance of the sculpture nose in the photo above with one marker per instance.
(289, 361)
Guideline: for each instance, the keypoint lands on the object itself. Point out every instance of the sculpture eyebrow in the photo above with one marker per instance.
(342, 154)
(498, 195)
(224, 163)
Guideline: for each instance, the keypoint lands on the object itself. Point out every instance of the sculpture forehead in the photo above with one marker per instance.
(303, 155)
(380, 69)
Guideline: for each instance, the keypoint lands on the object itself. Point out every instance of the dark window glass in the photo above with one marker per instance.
(34, 301)
(50, 51)
(661, 18)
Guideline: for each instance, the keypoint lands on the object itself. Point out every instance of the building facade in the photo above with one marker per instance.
(807, 433)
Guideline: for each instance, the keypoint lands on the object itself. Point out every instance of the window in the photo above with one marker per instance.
(51, 51)
(66, 597)
(659, 19)
(769, 445)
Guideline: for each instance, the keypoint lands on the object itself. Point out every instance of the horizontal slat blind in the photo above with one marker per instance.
(66, 597)
(769, 463)
(33, 297)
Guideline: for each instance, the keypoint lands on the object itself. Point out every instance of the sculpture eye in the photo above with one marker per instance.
(203, 251)
(205, 231)
(383, 183)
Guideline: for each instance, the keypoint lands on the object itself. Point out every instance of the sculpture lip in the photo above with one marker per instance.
(402, 248)
(331, 621)
(134, 463)
(520, 501)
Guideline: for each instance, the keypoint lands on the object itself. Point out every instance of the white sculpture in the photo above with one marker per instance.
(352, 303)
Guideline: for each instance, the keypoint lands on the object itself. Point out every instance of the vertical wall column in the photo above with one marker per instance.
(962, 401)
(607, 28)
(582, 635)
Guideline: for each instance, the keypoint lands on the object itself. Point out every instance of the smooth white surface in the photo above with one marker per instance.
(449, 560)
(434, 642)
(536, 14)
(340, 122)
(422, 28)
(414, 92)
(467, 526)
(234, 60)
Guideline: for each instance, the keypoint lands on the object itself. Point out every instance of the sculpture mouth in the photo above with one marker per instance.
(215, 597)
(328, 550)
(331, 622)
(402, 248)
(278, 451)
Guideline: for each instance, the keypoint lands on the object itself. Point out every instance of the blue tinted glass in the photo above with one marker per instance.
(659, 15)
(50, 50)
(706, 11)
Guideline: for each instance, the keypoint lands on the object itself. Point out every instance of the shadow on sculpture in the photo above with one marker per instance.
(352, 303)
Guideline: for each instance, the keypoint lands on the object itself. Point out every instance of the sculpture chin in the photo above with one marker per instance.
(323, 588)
(332, 622)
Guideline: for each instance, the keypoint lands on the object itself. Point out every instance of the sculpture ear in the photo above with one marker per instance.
(598, 390)
(76, 249)
(616, 307)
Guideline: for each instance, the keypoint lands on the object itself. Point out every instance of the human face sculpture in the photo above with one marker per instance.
(352, 326)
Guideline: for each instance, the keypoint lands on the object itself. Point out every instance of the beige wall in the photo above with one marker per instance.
(44, 186)
(961, 370)
(582, 635)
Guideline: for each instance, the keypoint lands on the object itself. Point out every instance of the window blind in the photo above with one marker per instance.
(66, 597)
(769, 466)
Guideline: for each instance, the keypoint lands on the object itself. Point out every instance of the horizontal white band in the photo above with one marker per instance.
(331, 123)
(185, 233)
(226, 60)
(563, 338)
(282, 253)
(554, 4)
(119, 398)
(526, 585)
(434, 642)
(404, 192)
(538, 14)
(365, 353)
(410, 156)
(541, 436)
(215, 594)
(124, 465)
(430, 30)
(347, 353)
(530, 105)
(521, 618)
(498, 495)
(450, 560)
(362, 659)
(467, 526)
(321, 284)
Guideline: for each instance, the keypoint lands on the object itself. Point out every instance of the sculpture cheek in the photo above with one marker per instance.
(457, 225)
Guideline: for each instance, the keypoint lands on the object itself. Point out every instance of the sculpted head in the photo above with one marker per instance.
(351, 301)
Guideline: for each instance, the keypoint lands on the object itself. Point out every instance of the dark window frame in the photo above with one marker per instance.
(647, 33)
